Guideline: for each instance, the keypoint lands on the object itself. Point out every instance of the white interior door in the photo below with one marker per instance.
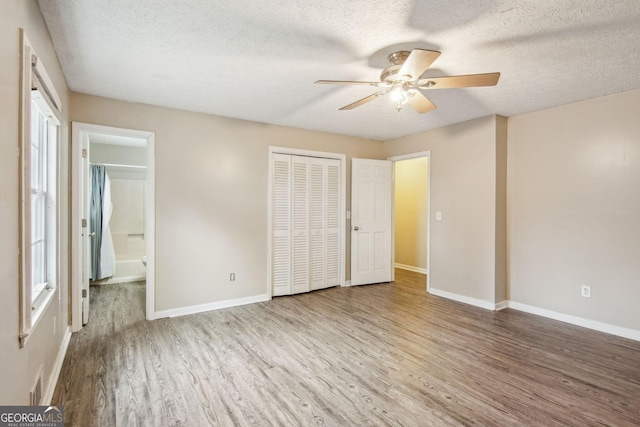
(371, 190)
(86, 246)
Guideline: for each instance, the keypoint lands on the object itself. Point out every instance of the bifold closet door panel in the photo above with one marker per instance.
(325, 223)
(332, 222)
(306, 208)
(317, 223)
(300, 224)
(281, 223)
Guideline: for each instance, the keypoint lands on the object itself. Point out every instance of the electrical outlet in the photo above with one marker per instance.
(585, 291)
(232, 277)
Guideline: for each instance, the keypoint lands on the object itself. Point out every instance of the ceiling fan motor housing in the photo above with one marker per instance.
(397, 59)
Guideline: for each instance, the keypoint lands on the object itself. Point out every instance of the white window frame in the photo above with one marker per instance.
(39, 179)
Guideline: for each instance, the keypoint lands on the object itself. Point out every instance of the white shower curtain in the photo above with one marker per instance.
(107, 252)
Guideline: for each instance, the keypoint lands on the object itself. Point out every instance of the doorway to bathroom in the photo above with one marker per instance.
(113, 233)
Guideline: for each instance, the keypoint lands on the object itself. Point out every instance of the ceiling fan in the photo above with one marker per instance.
(402, 79)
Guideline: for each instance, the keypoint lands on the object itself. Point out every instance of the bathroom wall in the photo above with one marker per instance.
(128, 195)
(128, 218)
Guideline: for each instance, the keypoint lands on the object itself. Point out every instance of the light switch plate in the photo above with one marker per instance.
(438, 216)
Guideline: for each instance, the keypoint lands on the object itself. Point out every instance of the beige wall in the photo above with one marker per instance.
(19, 367)
(501, 267)
(463, 187)
(211, 194)
(411, 212)
(574, 209)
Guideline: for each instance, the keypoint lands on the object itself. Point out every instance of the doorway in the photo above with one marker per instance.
(128, 158)
(411, 241)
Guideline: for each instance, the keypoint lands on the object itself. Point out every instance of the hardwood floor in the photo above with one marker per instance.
(384, 354)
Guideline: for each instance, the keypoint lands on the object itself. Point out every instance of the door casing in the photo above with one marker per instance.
(79, 131)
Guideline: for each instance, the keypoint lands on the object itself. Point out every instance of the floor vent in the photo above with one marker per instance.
(36, 391)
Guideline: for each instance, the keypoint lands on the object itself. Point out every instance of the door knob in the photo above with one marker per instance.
(92, 234)
(355, 228)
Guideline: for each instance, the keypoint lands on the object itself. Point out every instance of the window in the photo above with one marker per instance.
(39, 254)
(44, 132)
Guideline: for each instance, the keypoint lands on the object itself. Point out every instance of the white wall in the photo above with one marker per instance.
(211, 194)
(19, 367)
(574, 209)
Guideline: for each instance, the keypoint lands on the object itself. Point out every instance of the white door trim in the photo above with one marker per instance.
(78, 132)
(343, 201)
(393, 213)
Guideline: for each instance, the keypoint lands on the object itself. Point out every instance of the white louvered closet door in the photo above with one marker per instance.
(281, 223)
(306, 223)
(333, 222)
(317, 212)
(300, 231)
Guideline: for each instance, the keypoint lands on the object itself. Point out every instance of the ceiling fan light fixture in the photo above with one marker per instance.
(400, 95)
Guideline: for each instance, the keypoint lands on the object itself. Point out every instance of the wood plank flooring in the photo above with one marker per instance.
(385, 354)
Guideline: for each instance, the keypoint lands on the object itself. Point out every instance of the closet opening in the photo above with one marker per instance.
(411, 215)
(306, 215)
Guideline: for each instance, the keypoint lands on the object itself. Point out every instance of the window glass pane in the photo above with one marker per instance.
(35, 155)
(37, 217)
(44, 142)
(37, 266)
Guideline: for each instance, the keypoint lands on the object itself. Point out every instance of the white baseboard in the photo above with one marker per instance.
(347, 283)
(578, 321)
(411, 268)
(57, 367)
(200, 308)
(487, 305)
(501, 305)
(620, 331)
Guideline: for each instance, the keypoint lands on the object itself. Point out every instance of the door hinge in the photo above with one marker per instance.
(84, 223)
(84, 293)
(84, 153)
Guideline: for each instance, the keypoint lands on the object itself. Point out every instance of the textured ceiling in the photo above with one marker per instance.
(257, 60)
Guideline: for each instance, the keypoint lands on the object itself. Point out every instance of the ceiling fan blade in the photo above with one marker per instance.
(363, 101)
(450, 82)
(417, 63)
(420, 103)
(345, 82)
